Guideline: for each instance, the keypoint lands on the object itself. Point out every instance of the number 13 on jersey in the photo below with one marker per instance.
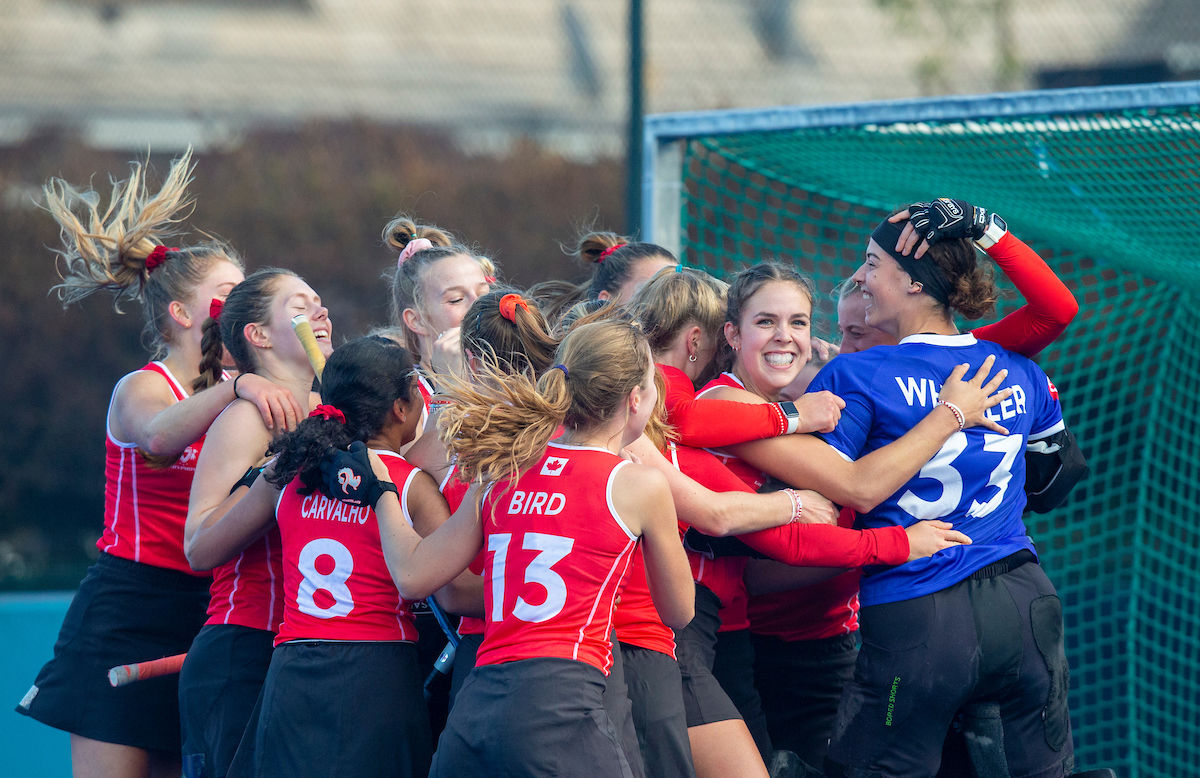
(551, 549)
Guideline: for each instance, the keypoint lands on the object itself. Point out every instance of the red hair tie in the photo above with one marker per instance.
(328, 412)
(157, 257)
(215, 307)
(608, 252)
(490, 279)
(508, 306)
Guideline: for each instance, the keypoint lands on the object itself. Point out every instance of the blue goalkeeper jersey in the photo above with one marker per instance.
(976, 481)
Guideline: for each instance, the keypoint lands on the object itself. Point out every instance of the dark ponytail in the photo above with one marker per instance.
(248, 303)
(362, 379)
(614, 258)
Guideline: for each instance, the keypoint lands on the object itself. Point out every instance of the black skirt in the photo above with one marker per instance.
(218, 687)
(704, 699)
(655, 692)
(532, 717)
(124, 612)
(343, 709)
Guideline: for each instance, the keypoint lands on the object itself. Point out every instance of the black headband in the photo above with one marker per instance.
(924, 271)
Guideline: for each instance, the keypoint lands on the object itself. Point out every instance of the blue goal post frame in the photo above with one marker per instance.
(664, 135)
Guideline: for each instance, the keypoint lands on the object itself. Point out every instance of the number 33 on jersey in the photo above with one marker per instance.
(556, 557)
(975, 481)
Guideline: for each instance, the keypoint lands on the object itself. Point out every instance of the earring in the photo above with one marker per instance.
(691, 358)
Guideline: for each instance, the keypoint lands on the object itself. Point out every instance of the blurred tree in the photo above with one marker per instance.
(314, 200)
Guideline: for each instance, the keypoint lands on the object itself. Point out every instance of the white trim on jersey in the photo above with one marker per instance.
(1052, 430)
(237, 578)
(404, 495)
(578, 448)
(626, 553)
(608, 497)
(271, 608)
(177, 390)
(383, 452)
(963, 339)
(449, 472)
(734, 378)
(117, 506)
(842, 454)
(137, 515)
(174, 381)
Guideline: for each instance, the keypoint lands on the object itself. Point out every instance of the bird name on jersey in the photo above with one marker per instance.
(318, 506)
(916, 390)
(541, 503)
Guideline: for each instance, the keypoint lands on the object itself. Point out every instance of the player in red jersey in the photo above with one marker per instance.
(141, 600)
(343, 695)
(435, 281)
(682, 312)
(560, 524)
(769, 315)
(778, 633)
(225, 667)
(504, 331)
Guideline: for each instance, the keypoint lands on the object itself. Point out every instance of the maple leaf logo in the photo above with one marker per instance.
(1053, 389)
(554, 466)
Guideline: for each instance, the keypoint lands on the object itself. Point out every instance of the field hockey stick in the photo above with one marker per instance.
(304, 332)
(445, 660)
(126, 674)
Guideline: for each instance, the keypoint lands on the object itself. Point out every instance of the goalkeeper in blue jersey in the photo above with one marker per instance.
(976, 626)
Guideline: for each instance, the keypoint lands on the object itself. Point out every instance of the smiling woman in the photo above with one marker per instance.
(227, 663)
(141, 600)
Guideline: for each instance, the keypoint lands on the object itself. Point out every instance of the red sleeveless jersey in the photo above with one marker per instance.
(819, 611)
(636, 621)
(335, 579)
(749, 475)
(248, 590)
(454, 491)
(723, 575)
(557, 559)
(145, 507)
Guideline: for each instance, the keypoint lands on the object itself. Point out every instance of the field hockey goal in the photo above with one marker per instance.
(1105, 184)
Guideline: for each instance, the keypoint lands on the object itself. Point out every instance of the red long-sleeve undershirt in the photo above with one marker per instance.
(1049, 308)
(715, 423)
(801, 545)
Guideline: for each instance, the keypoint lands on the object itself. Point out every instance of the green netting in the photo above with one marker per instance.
(1113, 203)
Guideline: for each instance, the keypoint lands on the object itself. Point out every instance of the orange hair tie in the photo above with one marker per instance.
(508, 306)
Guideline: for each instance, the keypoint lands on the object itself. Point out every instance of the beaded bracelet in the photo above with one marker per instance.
(958, 414)
(797, 505)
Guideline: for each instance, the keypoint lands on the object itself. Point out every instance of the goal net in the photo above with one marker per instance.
(1105, 184)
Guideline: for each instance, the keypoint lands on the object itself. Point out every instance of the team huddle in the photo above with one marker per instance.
(651, 536)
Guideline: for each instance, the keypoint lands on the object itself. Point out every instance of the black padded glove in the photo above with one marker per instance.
(347, 476)
(249, 478)
(946, 218)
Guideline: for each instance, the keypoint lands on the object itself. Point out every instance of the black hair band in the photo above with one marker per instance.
(923, 271)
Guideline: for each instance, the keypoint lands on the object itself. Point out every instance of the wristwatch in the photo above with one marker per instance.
(792, 414)
(996, 229)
